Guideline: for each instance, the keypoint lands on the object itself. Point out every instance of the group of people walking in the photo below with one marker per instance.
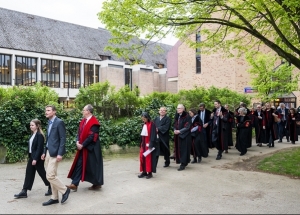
(197, 131)
(88, 162)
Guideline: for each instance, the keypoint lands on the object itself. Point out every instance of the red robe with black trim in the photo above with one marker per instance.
(91, 144)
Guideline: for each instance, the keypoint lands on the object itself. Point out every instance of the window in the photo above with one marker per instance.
(50, 73)
(71, 75)
(105, 57)
(25, 71)
(115, 66)
(145, 70)
(198, 53)
(128, 77)
(5, 69)
(160, 65)
(88, 74)
(97, 73)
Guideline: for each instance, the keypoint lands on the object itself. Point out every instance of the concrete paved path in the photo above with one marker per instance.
(201, 188)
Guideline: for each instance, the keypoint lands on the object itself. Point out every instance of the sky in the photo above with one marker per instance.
(81, 12)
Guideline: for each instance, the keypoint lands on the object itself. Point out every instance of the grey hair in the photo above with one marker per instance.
(242, 109)
(90, 108)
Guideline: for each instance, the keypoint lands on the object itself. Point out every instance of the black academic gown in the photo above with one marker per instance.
(244, 136)
(292, 126)
(163, 126)
(260, 133)
(182, 140)
(230, 126)
(199, 145)
(220, 130)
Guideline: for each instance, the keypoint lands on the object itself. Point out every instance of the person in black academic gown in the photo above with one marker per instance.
(231, 123)
(244, 130)
(199, 146)
(270, 125)
(182, 137)
(220, 128)
(163, 123)
(291, 125)
(259, 116)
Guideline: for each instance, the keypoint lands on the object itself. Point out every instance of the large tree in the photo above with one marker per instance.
(269, 80)
(275, 23)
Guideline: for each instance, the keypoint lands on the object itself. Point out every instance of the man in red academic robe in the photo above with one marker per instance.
(88, 162)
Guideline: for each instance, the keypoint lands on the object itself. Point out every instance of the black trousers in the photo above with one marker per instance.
(76, 176)
(30, 173)
(166, 152)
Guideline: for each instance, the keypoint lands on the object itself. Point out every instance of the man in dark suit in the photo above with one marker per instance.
(53, 153)
(204, 115)
(283, 111)
(163, 123)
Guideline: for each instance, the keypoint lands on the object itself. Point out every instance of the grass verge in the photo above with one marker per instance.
(286, 162)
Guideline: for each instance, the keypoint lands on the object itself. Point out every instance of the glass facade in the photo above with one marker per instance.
(71, 75)
(88, 74)
(97, 73)
(50, 73)
(128, 77)
(5, 69)
(25, 71)
(198, 54)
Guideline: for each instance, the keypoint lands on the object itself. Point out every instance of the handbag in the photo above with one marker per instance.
(276, 119)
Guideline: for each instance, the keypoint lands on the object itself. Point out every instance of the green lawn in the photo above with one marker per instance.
(286, 162)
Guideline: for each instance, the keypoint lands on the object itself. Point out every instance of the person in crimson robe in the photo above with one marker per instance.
(220, 128)
(199, 146)
(149, 143)
(244, 131)
(88, 161)
(270, 125)
(291, 125)
(182, 137)
(258, 124)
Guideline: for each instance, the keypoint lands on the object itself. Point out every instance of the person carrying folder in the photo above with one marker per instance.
(149, 141)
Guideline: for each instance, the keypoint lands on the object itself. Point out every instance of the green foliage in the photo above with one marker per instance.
(127, 100)
(286, 162)
(225, 25)
(22, 104)
(101, 95)
(268, 78)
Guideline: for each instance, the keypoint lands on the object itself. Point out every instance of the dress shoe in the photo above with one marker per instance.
(280, 141)
(181, 168)
(22, 194)
(149, 175)
(288, 140)
(226, 151)
(49, 192)
(72, 187)
(50, 202)
(65, 195)
(219, 157)
(194, 161)
(95, 187)
(199, 160)
(142, 175)
(172, 157)
(293, 142)
(166, 165)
